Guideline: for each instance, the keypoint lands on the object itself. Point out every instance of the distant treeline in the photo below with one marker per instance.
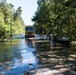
(56, 16)
(11, 22)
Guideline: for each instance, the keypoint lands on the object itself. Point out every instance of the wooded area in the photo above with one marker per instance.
(51, 16)
(11, 22)
(56, 16)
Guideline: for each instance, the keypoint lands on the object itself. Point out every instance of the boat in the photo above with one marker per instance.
(64, 42)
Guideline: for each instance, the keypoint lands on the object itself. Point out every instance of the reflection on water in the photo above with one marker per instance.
(30, 42)
(16, 57)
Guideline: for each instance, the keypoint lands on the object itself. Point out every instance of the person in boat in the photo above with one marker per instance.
(65, 41)
(63, 38)
(51, 36)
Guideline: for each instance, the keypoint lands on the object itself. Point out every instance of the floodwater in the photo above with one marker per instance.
(17, 56)
(20, 55)
(57, 60)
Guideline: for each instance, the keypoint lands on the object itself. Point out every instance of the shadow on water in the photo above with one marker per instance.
(57, 60)
(16, 56)
(36, 57)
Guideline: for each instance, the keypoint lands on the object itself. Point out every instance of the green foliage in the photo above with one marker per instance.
(56, 16)
(11, 22)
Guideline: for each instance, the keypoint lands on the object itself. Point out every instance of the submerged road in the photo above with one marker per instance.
(35, 56)
(16, 56)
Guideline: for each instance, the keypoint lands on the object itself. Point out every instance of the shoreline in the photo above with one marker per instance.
(3, 40)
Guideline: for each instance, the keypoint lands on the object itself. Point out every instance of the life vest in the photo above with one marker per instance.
(55, 34)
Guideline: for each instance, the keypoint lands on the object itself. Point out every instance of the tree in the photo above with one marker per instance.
(56, 16)
(10, 21)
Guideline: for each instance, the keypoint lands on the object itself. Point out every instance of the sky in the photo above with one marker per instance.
(29, 7)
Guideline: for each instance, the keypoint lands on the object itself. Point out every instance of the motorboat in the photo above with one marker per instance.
(64, 42)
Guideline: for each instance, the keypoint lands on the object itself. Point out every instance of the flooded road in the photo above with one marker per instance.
(20, 55)
(57, 60)
(16, 56)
